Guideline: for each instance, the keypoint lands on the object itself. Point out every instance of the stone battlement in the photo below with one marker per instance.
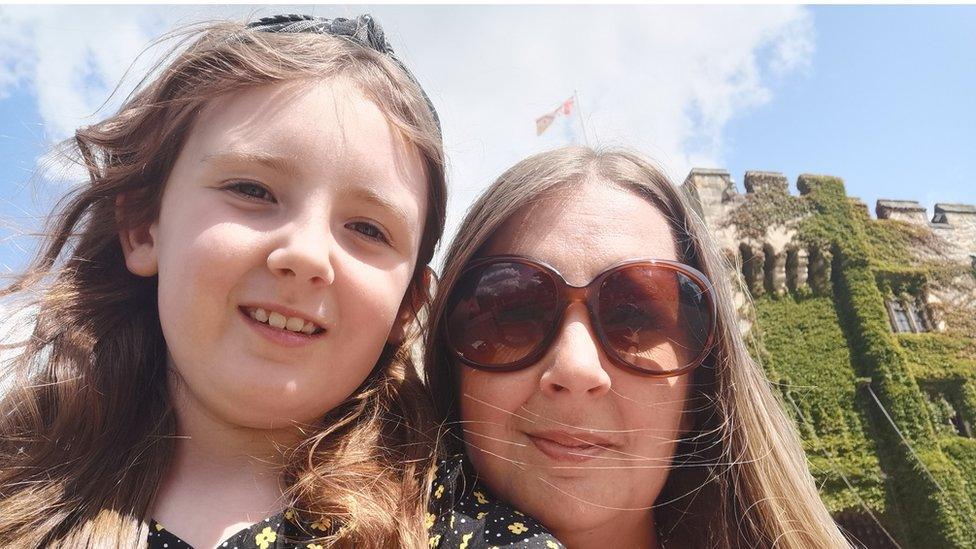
(959, 215)
(767, 252)
(715, 197)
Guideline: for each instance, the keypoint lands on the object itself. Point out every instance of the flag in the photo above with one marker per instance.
(543, 122)
(567, 107)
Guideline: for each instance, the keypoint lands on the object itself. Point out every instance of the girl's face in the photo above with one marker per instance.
(523, 430)
(286, 239)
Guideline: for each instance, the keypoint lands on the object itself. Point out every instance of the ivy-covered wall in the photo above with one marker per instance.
(887, 419)
(816, 374)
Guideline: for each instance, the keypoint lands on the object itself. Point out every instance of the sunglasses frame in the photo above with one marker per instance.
(588, 295)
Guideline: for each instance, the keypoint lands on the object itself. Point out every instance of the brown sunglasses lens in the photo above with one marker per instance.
(654, 318)
(501, 313)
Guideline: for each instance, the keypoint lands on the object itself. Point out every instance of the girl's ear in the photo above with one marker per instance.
(138, 244)
(417, 296)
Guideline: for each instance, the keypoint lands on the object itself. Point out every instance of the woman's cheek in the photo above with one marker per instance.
(493, 396)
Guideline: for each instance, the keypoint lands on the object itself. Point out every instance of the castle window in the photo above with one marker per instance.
(944, 405)
(961, 425)
(900, 322)
(918, 317)
(907, 315)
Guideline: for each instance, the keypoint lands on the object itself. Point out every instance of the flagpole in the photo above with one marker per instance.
(576, 100)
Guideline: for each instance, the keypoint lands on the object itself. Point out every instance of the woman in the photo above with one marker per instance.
(627, 413)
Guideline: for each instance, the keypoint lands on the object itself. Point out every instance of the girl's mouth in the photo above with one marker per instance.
(282, 322)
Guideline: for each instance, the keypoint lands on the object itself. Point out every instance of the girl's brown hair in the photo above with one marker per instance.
(86, 426)
(739, 478)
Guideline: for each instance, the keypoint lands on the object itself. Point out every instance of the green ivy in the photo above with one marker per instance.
(928, 499)
(822, 382)
(962, 451)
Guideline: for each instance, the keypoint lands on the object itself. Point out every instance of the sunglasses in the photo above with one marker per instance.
(653, 317)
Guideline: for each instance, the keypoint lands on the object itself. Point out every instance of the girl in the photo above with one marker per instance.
(584, 344)
(223, 310)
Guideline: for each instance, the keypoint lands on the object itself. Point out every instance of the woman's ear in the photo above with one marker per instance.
(138, 243)
(417, 296)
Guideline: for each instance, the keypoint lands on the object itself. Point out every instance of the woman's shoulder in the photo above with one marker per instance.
(464, 515)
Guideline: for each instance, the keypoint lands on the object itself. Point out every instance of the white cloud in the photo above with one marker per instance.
(663, 80)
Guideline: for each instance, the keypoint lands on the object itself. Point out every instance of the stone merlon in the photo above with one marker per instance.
(954, 214)
(902, 210)
(708, 189)
(759, 181)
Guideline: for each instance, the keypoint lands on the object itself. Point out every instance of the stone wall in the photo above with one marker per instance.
(770, 257)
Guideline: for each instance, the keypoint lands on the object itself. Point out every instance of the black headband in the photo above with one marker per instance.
(363, 31)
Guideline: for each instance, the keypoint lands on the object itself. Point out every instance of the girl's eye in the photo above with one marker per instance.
(368, 230)
(252, 191)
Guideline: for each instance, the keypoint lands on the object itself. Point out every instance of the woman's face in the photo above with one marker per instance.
(524, 429)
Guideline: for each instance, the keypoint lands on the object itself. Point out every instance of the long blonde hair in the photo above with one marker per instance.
(86, 424)
(739, 479)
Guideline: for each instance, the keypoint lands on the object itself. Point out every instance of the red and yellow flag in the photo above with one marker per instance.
(543, 122)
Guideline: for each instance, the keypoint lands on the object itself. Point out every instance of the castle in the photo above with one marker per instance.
(867, 328)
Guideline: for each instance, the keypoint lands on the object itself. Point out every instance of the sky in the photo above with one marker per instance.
(880, 96)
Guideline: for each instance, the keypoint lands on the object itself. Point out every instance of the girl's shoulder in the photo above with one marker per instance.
(464, 515)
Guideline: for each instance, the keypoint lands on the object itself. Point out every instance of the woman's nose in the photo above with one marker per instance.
(304, 254)
(575, 362)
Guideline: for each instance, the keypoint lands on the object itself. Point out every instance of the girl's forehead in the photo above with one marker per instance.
(584, 229)
(323, 128)
(288, 116)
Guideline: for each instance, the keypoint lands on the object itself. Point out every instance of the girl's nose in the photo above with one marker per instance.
(305, 255)
(575, 362)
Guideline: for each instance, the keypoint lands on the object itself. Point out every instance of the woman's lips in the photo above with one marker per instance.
(568, 448)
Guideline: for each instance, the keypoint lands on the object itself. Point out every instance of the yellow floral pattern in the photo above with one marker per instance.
(286, 530)
(463, 515)
(322, 524)
(265, 538)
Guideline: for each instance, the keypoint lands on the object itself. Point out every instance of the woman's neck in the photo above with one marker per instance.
(222, 477)
(631, 530)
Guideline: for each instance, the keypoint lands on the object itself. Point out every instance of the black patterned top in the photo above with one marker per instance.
(282, 531)
(462, 515)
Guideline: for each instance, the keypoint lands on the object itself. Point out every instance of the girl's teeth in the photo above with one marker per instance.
(277, 320)
(294, 324)
(280, 321)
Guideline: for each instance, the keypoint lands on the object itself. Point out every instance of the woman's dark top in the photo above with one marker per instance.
(462, 515)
